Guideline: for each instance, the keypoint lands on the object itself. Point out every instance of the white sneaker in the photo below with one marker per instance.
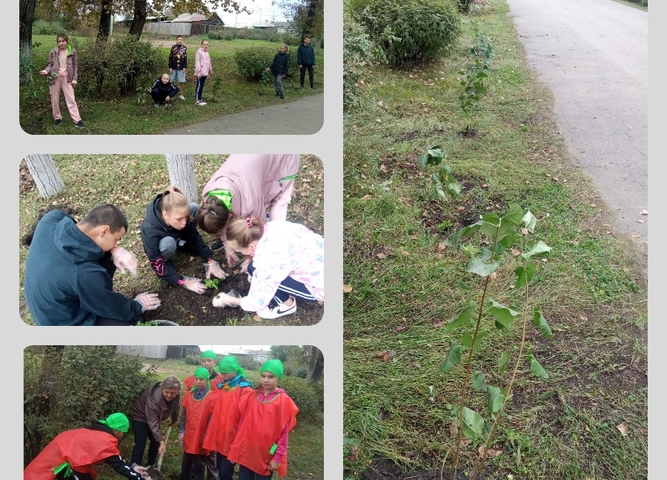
(181, 97)
(201, 103)
(276, 309)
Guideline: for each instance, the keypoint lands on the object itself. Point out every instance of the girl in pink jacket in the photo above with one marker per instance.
(203, 69)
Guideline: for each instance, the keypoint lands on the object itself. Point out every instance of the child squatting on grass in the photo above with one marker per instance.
(287, 262)
(224, 420)
(268, 414)
(169, 226)
(63, 73)
(163, 90)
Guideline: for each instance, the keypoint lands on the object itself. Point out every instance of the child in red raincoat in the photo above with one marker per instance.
(267, 416)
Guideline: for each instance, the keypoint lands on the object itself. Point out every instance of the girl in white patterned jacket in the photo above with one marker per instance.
(287, 262)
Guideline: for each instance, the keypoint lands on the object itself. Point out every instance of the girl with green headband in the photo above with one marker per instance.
(225, 415)
(209, 360)
(73, 454)
(267, 417)
(244, 186)
(194, 421)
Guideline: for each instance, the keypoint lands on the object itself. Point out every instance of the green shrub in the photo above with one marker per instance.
(292, 40)
(358, 53)
(251, 62)
(54, 395)
(193, 360)
(411, 33)
(305, 397)
(118, 67)
(42, 27)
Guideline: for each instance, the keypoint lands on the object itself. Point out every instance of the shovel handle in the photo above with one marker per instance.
(161, 457)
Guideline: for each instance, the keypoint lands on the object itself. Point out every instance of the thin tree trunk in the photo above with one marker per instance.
(137, 26)
(44, 172)
(314, 371)
(181, 169)
(105, 21)
(26, 17)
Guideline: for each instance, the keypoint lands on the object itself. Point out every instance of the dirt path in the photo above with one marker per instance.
(593, 55)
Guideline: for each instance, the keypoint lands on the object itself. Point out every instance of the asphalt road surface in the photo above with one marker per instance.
(593, 55)
(304, 116)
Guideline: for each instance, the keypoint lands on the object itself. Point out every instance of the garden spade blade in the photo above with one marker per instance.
(161, 457)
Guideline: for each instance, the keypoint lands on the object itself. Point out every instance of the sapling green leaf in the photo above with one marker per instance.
(504, 360)
(473, 424)
(485, 254)
(454, 188)
(529, 221)
(495, 399)
(466, 340)
(506, 242)
(454, 239)
(461, 319)
(542, 323)
(440, 192)
(479, 382)
(490, 225)
(535, 366)
(524, 275)
(501, 314)
(453, 357)
(541, 247)
(479, 267)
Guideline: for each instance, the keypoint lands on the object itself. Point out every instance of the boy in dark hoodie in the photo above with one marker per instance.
(163, 90)
(279, 68)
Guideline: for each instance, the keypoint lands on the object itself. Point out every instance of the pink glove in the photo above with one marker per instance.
(124, 259)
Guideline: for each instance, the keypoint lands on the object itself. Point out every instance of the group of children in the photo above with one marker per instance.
(70, 265)
(224, 421)
(62, 71)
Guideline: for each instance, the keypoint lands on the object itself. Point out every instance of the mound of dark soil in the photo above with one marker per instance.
(385, 469)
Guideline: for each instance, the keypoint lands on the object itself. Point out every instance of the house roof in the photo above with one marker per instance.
(189, 17)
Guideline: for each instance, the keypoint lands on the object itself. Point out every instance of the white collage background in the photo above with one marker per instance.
(327, 335)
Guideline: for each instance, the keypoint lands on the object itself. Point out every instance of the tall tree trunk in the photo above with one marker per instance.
(26, 17)
(44, 172)
(315, 363)
(182, 174)
(105, 22)
(139, 19)
(311, 16)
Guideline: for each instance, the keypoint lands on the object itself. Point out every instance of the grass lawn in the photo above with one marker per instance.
(131, 182)
(109, 116)
(404, 283)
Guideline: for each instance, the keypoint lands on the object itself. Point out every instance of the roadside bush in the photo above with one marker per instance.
(54, 399)
(305, 397)
(247, 363)
(42, 27)
(251, 62)
(358, 49)
(411, 33)
(292, 40)
(193, 360)
(118, 67)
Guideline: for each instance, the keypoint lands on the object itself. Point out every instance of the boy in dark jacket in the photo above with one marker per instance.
(163, 90)
(305, 58)
(178, 62)
(279, 68)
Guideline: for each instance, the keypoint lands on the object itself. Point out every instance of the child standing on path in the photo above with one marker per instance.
(279, 68)
(63, 74)
(267, 417)
(305, 58)
(287, 263)
(194, 421)
(203, 69)
(225, 413)
(178, 62)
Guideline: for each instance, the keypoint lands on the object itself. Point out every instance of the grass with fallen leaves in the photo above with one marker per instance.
(403, 283)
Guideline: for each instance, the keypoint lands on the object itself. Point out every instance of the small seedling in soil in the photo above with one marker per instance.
(501, 234)
(212, 283)
(445, 186)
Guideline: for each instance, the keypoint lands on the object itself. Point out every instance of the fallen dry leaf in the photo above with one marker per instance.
(386, 354)
(623, 428)
(346, 288)
(490, 453)
(516, 252)
(453, 430)
(257, 318)
(381, 256)
(441, 247)
(400, 328)
(383, 167)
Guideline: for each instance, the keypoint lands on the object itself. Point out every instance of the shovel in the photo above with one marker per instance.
(161, 457)
(154, 472)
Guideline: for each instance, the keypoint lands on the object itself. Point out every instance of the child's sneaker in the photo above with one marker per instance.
(79, 124)
(181, 97)
(276, 309)
(201, 103)
(59, 121)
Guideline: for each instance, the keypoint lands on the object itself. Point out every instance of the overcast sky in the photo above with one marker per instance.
(225, 349)
(262, 10)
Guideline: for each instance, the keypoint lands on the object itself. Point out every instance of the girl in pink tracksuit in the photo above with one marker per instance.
(63, 73)
(203, 69)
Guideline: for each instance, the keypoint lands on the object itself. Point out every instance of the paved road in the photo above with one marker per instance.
(304, 116)
(593, 55)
